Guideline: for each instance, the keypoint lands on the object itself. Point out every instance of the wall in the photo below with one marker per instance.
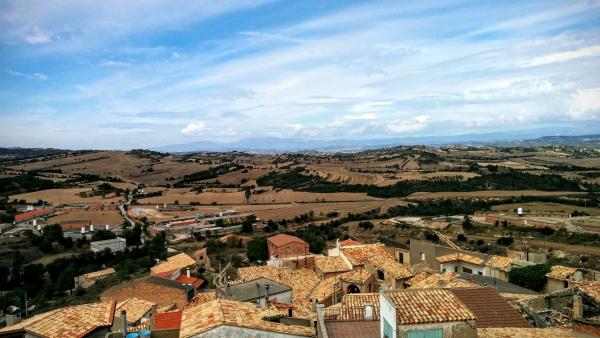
(288, 250)
(117, 245)
(430, 250)
(496, 273)
(451, 329)
(459, 265)
(158, 294)
(239, 332)
(387, 313)
(583, 328)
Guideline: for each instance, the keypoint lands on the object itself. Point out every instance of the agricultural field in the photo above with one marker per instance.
(95, 217)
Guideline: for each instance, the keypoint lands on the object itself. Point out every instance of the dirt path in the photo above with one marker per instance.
(570, 248)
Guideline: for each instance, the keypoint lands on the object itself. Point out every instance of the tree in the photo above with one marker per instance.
(461, 238)
(257, 249)
(101, 235)
(365, 225)
(156, 247)
(247, 224)
(213, 246)
(220, 222)
(247, 194)
(52, 233)
(532, 277)
(467, 224)
(505, 241)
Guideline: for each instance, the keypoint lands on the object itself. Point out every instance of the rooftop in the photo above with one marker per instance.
(176, 262)
(283, 239)
(390, 265)
(154, 280)
(422, 306)
(500, 285)
(418, 277)
(590, 288)
(201, 298)
(302, 281)
(491, 309)
(352, 329)
(349, 242)
(249, 290)
(100, 273)
(443, 280)
(560, 272)
(357, 255)
(510, 332)
(195, 282)
(135, 308)
(199, 319)
(353, 306)
(329, 264)
(109, 241)
(460, 256)
(73, 321)
(167, 320)
(500, 263)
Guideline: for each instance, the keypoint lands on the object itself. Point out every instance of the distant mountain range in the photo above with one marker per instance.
(274, 144)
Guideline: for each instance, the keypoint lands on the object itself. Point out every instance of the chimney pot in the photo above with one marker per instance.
(188, 272)
(124, 322)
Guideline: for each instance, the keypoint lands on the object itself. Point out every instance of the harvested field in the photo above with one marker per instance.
(491, 193)
(96, 217)
(236, 177)
(513, 165)
(539, 207)
(62, 196)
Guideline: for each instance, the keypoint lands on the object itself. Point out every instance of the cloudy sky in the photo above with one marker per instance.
(114, 74)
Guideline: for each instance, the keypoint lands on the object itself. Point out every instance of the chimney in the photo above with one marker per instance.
(124, 323)
(267, 299)
(577, 306)
(34, 222)
(91, 228)
(188, 272)
(107, 227)
(368, 312)
(83, 230)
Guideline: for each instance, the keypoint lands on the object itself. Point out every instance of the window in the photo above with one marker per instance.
(444, 270)
(432, 333)
(388, 332)
(566, 284)
(401, 257)
(480, 273)
(467, 270)
(380, 275)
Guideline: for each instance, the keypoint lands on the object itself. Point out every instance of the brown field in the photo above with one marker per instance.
(236, 177)
(593, 162)
(62, 196)
(545, 207)
(491, 193)
(96, 217)
(513, 165)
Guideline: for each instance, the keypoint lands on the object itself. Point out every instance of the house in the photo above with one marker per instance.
(114, 245)
(442, 280)
(167, 321)
(282, 246)
(260, 291)
(461, 262)
(425, 313)
(561, 277)
(136, 312)
(389, 272)
(326, 266)
(498, 267)
(227, 318)
(425, 252)
(89, 279)
(202, 260)
(357, 315)
(153, 289)
(301, 281)
(81, 321)
(32, 214)
(173, 263)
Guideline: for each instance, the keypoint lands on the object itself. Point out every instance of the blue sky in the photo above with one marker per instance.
(114, 74)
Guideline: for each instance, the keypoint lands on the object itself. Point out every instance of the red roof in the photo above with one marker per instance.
(33, 213)
(283, 239)
(349, 242)
(167, 320)
(196, 282)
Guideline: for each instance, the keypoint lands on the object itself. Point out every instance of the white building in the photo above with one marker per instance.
(115, 245)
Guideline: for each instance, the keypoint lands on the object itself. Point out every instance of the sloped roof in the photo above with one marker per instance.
(72, 321)
(358, 275)
(500, 263)
(424, 306)
(349, 242)
(560, 272)
(199, 319)
(329, 264)
(443, 280)
(358, 255)
(510, 332)
(353, 306)
(173, 263)
(100, 273)
(135, 308)
(196, 282)
(201, 298)
(283, 239)
(302, 281)
(590, 288)
(418, 277)
(390, 265)
(491, 309)
(167, 320)
(460, 256)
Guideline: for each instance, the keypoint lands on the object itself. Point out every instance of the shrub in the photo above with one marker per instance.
(532, 277)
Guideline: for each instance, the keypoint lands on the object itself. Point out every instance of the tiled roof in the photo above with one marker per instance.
(298, 310)
(353, 306)
(590, 288)
(196, 282)
(167, 320)
(358, 275)
(443, 280)
(352, 329)
(418, 277)
(349, 242)
(359, 254)
(390, 265)
(329, 264)
(73, 321)
(511, 332)
(167, 308)
(33, 213)
(560, 272)
(200, 252)
(176, 262)
(201, 298)
(460, 256)
(500, 263)
(199, 319)
(302, 281)
(283, 239)
(100, 273)
(428, 306)
(135, 308)
(324, 289)
(491, 309)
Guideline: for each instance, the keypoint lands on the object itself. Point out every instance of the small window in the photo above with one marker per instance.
(480, 273)
(380, 275)
(444, 270)
(401, 257)
(566, 284)
(467, 270)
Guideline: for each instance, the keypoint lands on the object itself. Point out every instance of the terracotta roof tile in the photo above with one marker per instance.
(359, 254)
(443, 280)
(135, 308)
(353, 329)
(349, 242)
(390, 265)
(196, 282)
(199, 319)
(428, 306)
(100, 273)
(359, 276)
(283, 239)
(33, 213)
(353, 306)
(167, 320)
(302, 281)
(590, 288)
(511, 332)
(298, 310)
(499, 262)
(73, 321)
(329, 264)
(491, 309)
(201, 298)
(460, 256)
(560, 272)
(418, 277)
(176, 262)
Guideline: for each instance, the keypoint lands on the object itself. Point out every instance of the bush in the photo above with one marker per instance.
(531, 277)
(432, 236)
(505, 241)
(461, 238)
(257, 249)
(365, 225)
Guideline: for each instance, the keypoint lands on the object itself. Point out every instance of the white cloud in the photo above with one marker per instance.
(113, 63)
(175, 55)
(194, 129)
(362, 117)
(34, 76)
(566, 56)
(586, 104)
(37, 36)
(409, 125)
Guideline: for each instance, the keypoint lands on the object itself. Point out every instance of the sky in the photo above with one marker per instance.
(122, 74)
